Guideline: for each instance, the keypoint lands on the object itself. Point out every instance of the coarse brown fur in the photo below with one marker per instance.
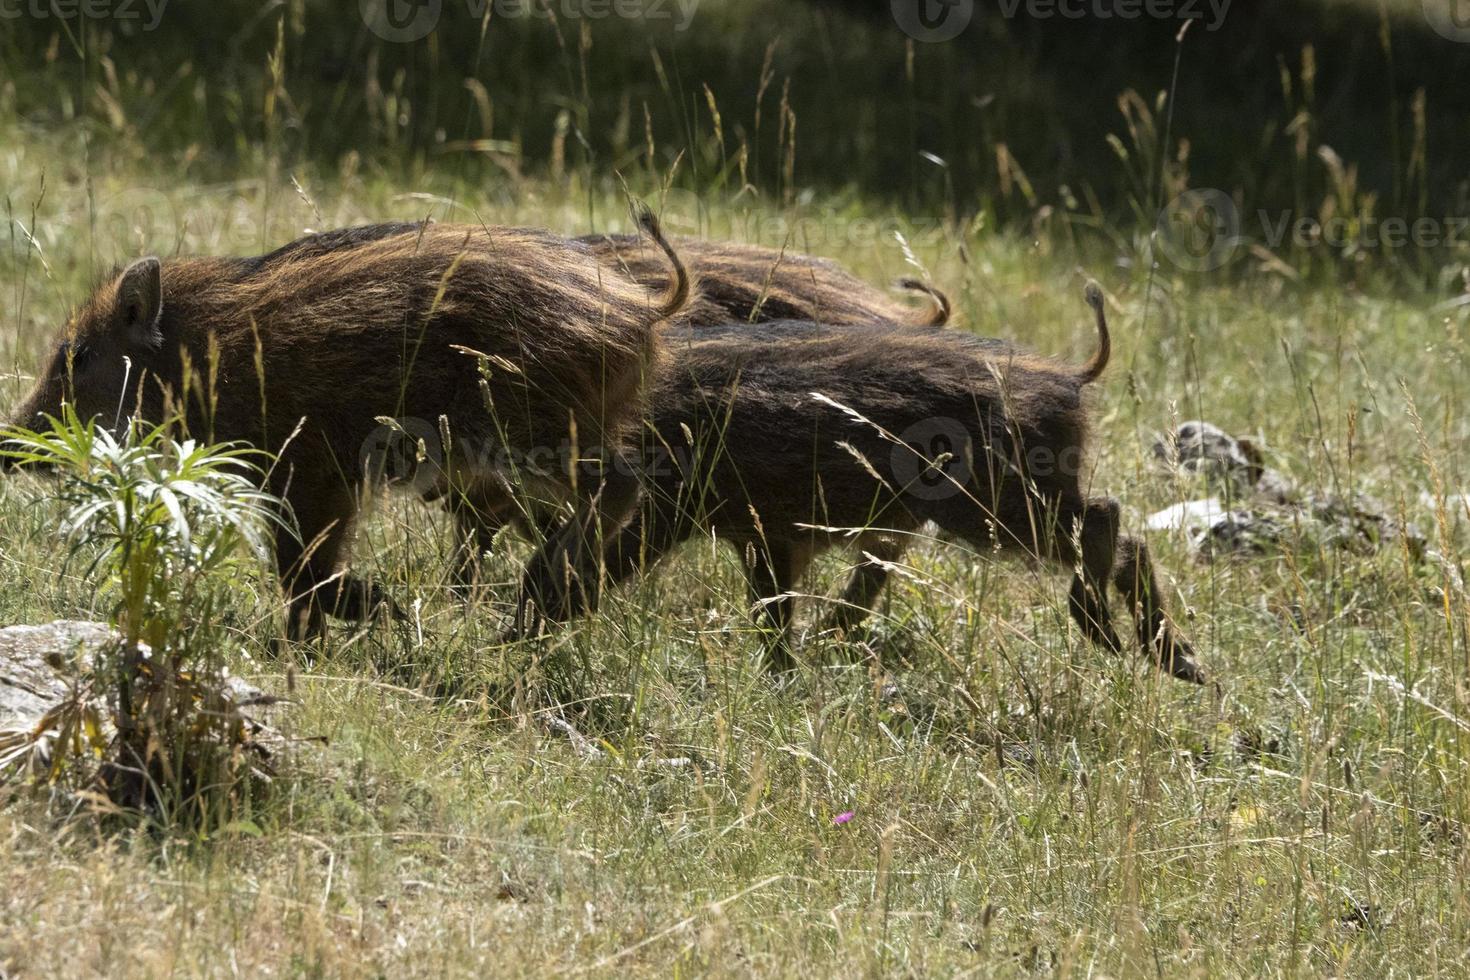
(737, 284)
(789, 438)
(754, 283)
(504, 338)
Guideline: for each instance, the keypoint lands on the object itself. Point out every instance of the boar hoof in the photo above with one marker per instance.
(356, 601)
(1177, 660)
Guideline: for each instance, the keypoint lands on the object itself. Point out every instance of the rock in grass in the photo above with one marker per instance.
(42, 666)
(35, 662)
(1360, 522)
(1262, 511)
(1230, 465)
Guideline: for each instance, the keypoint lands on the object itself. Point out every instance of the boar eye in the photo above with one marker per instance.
(75, 355)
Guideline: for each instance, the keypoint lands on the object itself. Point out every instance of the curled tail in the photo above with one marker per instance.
(680, 289)
(1093, 369)
(942, 310)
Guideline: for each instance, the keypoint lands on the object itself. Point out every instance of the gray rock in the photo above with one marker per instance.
(1188, 515)
(1259, 510)
(40, 665)
(1203, 448)
(1234, 466)
(1361, 522)
(1248, 532)
(1214, 529)
(34, 662)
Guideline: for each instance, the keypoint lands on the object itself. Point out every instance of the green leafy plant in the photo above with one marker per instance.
(167, 530)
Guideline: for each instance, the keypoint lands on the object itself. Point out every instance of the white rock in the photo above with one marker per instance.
(1189, 514)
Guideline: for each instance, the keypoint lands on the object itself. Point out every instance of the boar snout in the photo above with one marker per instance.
(11, 423)
(20, 420)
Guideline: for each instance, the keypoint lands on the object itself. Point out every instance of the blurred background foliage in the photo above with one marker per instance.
(1359, 107)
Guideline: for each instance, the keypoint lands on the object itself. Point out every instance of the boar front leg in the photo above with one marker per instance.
(310, 567)
(1135, 580)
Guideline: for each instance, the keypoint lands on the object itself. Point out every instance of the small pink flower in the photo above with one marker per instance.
(843, 817)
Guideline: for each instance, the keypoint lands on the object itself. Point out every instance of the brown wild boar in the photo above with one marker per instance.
(302, 351)
(755, 284)
(737, 283)
(788, 438)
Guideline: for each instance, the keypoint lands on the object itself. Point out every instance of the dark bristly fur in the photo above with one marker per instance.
(788, 438)
(352, 326)
(737, 284)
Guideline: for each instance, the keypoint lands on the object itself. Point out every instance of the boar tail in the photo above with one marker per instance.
(680, 289)
(939, 316)
(1093, 369)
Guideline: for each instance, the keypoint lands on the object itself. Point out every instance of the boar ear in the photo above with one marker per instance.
(140, 303)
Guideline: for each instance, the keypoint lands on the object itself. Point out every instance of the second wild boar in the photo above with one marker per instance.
(788, 438)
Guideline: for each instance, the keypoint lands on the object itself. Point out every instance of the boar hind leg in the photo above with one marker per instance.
(772, 569)
(1134, 578)
(867, 582)
(1124, 563)
(562, 579)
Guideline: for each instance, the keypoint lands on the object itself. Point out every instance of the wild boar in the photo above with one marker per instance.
(737, 284)
(302, 351)
(754, 284)
(788, 438)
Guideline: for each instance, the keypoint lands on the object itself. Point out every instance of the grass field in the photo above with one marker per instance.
(1020, 804)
